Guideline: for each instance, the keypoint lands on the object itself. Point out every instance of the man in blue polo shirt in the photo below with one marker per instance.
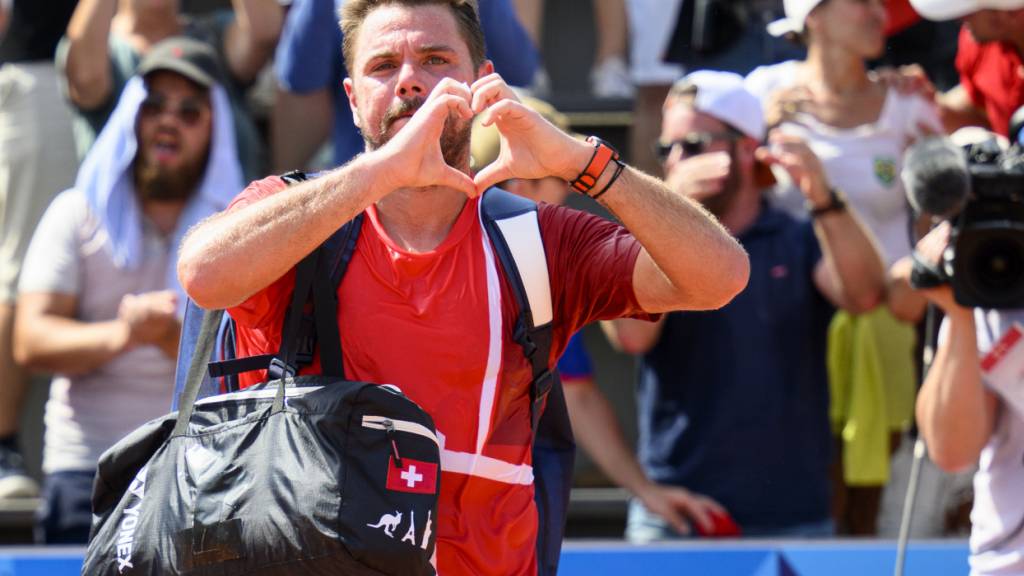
(733, 403)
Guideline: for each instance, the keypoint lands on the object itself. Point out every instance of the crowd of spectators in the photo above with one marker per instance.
(126, 121)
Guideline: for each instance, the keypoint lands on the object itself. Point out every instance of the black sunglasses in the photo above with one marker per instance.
(189, 110)
(692, 144)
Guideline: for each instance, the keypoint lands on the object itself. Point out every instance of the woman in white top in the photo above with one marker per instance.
(859, 127)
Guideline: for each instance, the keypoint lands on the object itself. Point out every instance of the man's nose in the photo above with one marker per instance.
(410, 81)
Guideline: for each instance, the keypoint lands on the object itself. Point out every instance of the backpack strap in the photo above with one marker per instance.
(317, 277)
(511, 224)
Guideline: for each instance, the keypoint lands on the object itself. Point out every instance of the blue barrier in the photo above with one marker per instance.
(764, 558)
(598, 558)
(41, 561)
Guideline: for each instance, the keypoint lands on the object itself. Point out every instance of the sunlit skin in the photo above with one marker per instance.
(857, 25)
(164, 139)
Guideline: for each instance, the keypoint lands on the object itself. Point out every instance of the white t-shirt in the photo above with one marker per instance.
(88, 413)
(864, 162)
(997, 519)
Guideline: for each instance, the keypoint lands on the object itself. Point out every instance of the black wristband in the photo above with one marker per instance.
(619, 167)
(836, 203)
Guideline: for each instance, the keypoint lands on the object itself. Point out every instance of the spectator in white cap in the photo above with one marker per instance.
(989, 60)
(859, 125)
(733, 403)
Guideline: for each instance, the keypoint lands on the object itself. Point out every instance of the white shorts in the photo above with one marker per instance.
(37, 159)
(651, 23)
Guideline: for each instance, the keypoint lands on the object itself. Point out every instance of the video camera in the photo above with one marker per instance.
(980, 189)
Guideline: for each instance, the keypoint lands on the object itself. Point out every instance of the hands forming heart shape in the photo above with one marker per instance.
(531, 147)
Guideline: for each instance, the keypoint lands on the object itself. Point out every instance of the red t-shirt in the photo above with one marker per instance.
(993, 75)
(422, 322)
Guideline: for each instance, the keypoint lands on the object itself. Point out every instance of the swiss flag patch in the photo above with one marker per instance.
(414, 476)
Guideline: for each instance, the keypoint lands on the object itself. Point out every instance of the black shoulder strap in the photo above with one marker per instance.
(497, 205)
(314, 278)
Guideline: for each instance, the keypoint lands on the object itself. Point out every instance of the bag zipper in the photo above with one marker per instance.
(389, 426)
(378, 423)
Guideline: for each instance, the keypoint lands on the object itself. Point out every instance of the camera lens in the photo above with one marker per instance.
(997, 267)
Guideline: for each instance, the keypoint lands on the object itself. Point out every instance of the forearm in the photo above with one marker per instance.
(953, 409)
(852, 258)
(57, 344)
(956, 110)
(88, 62)
(905, 303)
(689, 260)
(232, 255)
(597, 430)
(252, 37)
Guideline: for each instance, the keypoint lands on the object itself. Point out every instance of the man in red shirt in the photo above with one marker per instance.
(988, 58)
(422, 304)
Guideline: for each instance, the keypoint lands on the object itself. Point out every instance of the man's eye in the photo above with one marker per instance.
(382, 66)
(436, 60)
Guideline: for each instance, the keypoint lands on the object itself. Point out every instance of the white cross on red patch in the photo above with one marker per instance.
(413, 476)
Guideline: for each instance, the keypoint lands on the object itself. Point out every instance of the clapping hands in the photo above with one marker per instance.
(148, 317)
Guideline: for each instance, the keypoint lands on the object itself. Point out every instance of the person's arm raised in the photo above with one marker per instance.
(251, 37)
(88, 62)
(688, 261)
(850, 273)
(232, 255)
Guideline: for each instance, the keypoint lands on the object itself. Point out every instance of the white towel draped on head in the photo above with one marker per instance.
(106, 178)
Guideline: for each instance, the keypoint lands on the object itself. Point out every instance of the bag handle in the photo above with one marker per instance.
(284, 360)
(197, 369)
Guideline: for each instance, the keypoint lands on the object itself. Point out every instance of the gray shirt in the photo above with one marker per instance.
(70, 253)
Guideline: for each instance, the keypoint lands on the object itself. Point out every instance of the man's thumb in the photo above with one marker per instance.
(460, 181)
(491, 175)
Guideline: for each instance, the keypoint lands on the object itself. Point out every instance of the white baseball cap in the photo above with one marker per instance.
(723, 95)
(796, 14)
(952, 9)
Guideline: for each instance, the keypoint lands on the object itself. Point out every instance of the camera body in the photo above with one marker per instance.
(985, 261)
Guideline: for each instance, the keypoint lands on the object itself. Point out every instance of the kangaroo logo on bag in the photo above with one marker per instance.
(408, 475)
(129, 522)
(390, 522)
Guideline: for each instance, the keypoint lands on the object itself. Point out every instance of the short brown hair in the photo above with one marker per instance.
(682, 91)
(354, 12)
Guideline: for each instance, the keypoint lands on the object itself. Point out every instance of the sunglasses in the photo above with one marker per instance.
(189, 110)
(692, 144)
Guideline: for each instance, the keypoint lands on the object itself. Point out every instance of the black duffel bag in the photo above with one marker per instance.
(303, 475)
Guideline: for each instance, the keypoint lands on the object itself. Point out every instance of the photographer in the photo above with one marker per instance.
(970, 410)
